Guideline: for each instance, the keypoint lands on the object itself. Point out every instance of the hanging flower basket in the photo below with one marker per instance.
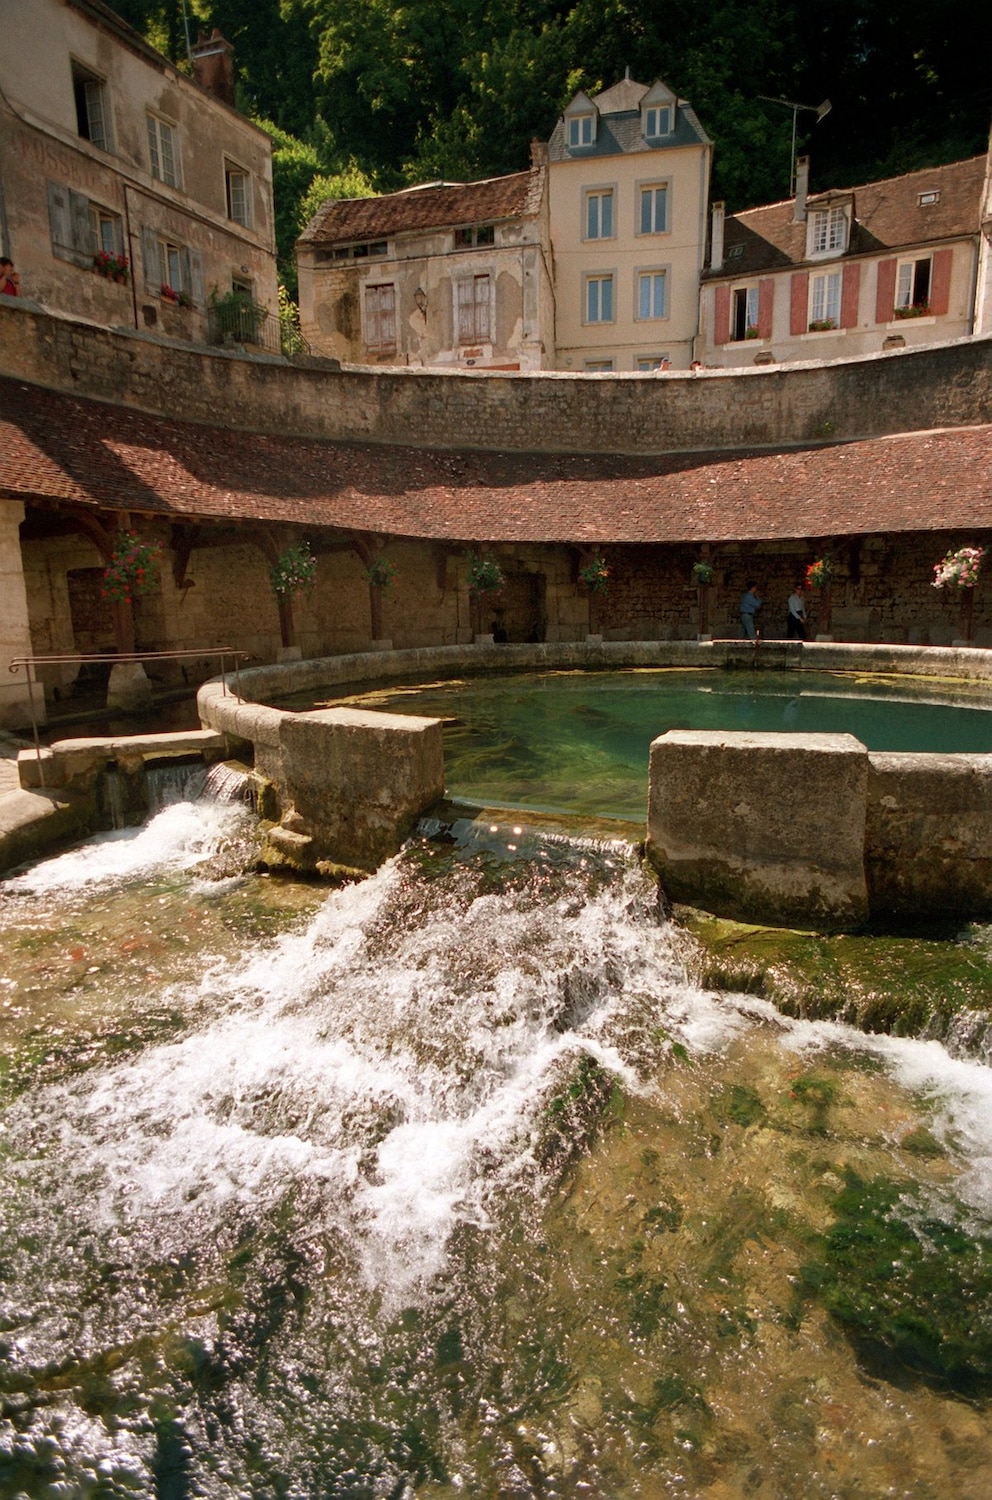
(134, 569)
(959, 568)
(381, 573)
(819, 573)
(484, 575)
(294, 572)
(595, 575)
(702, 572)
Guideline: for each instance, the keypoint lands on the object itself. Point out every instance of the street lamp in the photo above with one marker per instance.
(814, 109)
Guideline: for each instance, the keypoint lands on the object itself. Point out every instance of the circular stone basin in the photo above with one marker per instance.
(578, 741)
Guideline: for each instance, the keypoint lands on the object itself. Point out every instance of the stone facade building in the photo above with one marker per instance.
(447, 274)
(887, 265)
(130, 193)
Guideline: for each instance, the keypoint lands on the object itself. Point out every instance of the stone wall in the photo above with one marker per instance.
(816, 831)
(943, 386)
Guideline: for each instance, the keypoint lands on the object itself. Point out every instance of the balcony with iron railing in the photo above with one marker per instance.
(240, 323)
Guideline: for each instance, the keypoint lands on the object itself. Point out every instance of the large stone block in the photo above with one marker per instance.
(356, 781)
(928, 840)
(765, 827)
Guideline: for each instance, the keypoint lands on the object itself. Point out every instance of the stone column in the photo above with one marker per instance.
(15, 631)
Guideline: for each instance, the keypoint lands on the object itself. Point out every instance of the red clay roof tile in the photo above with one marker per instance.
(55, 448)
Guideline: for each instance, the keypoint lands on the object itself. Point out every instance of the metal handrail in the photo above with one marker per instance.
(115, 659)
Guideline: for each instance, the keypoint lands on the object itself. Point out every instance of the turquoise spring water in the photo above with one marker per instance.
(578, 742)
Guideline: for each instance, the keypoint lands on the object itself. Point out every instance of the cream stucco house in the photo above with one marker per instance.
(628, 186)
(129, 192)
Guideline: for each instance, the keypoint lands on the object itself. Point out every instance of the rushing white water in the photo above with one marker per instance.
(366, 1097)
(181, 836)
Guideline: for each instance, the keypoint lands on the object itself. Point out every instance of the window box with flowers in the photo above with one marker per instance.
(752, 332)
(917, 310)
(822, 325)
(178, 298)
(113, 267)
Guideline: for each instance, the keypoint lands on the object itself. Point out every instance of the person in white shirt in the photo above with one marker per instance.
(795, 625)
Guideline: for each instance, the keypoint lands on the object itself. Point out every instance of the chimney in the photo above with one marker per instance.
(802, 189)
(213, 66)
(716, 236)
(538, 153)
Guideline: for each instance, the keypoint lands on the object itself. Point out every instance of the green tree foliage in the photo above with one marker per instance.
(414, 90)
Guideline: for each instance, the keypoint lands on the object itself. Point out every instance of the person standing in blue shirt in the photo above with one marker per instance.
(750, 604)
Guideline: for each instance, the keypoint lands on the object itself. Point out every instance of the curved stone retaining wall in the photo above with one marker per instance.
(943, 385)
(801, 829)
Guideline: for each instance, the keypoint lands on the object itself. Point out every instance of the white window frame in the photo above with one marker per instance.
(648, 362)
(594, 283)
(597, 366)
(647, 280)
(108, 230)
(237, 193)
(173, 266)
(594, 201)
(474, 309)
(748, 297)
(824, 299)
(828, 230)
(95, 106)
(163, 151)
(907, 279)
(648, 194)
(379, 312)
(657, 121)
(581, 130)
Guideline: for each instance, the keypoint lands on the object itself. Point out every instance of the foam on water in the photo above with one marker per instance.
(179, 837)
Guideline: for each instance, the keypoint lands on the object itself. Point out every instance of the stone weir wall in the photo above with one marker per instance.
(946, 385)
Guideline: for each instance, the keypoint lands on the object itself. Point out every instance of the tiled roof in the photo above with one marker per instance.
(56, 448)
(434, 206)
(888, 216)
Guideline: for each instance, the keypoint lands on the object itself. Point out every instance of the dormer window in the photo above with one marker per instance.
(925, 199)
(581, 130)
(828, 230)
(657, 121)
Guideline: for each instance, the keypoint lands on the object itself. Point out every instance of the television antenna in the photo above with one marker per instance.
(814, 109)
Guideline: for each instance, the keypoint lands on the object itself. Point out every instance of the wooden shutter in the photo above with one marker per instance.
(885, 291)
(850, 295)
(59, 216)
(83, 233)
(799, 302)
(466, 311)
(150, 258)
(940, 282)
(197, 289)
(721, 314)
(766, 304)
(481, 308)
